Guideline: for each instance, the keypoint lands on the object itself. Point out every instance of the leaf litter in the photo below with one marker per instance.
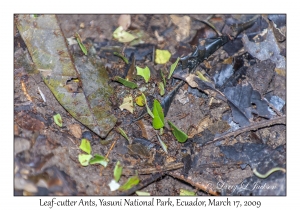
(204, 51)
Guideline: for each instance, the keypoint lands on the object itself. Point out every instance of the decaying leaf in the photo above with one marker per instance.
(144, 72)
(118, 171)
(99, 159)
(162, 56)
(179, 134)
(267, 49)
(127, 104)
(84, 159)
(241, 98)
(131, 182)
(28, 121)
(75, 130)
(85, 146)
(58, 120)
(123, 36)
(44, 39)
(138, 149)
(184, 26)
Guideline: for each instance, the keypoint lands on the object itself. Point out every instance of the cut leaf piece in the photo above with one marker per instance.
(125, 82)
(127, 104)
(161, 88)
(140, 100)
(81, 45)
(179, 134)
(148, 109)
(173, 67)
(201, 76)
(57, 120)
(113, 185)
(121, 56)
(118, 171)
(163, 77)
(184, 192)
(85, 146)
(131, 182)
(162, 56)
(84, 159)
(158, 120)
(99, 159)
(122, 132)
(122, 36)
(163, 145)
(141, 193)
(144, 72)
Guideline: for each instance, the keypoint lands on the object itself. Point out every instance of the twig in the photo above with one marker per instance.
(253, 126)
(129, 171)
(204, 185)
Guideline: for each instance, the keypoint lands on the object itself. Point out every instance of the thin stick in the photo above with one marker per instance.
(204, 185)
(253, 126)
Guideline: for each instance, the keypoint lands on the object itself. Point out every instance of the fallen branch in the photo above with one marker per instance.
(253, 126)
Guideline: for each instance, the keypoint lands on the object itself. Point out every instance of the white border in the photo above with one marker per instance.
(154, 6)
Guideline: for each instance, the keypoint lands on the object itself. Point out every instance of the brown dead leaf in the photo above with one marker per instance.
(124, 21)
(75, 130)
(29, 122)
(202, 125)
(147, 130)
(184, 26)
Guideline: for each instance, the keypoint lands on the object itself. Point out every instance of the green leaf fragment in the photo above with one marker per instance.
(131, 182)
(99, 159)
(122, 132)
(141, 193)
(81, 45)
(179, 134)
(144, 72)
(57, 120)
(201, 76)
(162, 56)
(122, 36)
(121, 56)
(161, 88)
(163, 145)
(118, 171)
(158, 120)
(139, 100)
(163, 77)
(148, 109)
(173, 67)
(125, 82)
(184, 192)
(84, 159)
(85, 146)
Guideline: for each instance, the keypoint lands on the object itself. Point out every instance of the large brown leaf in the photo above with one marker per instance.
(86, 100)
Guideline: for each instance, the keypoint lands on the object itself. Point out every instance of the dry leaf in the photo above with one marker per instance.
(127, 104)
(75, 130)
(184, 26)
